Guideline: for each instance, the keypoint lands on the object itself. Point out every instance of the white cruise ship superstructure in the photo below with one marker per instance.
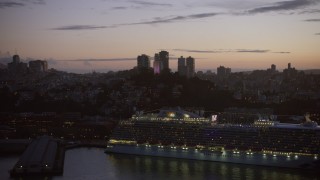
(177, 133)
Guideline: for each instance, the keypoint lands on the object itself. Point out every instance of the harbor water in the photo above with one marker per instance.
(93, 163)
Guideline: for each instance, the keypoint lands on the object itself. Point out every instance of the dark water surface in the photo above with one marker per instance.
(93, 163)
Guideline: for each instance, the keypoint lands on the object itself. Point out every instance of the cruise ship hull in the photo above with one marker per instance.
(229, 156)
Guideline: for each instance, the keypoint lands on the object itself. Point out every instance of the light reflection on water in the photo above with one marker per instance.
(93, 163)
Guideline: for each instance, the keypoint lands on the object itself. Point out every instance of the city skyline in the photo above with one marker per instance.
(106, 34)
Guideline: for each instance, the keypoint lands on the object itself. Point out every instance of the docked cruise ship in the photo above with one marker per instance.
(177, 133)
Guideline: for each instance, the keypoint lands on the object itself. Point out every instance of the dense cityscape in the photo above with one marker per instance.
(38, 100)
(148, 89)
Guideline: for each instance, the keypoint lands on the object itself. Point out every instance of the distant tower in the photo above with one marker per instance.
(289, 65)
(16, 66)
(157, 67)
(38, 66)
(16, 59)
(143, 62)
(164, 57)
(182, 66)
(190, 67)
(228, 71)
(273, 68)
(222, 71)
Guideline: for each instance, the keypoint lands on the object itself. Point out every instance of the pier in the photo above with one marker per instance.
(44, 156)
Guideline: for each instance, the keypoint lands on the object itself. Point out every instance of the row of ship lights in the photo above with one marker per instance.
(234, 152)
(274, 154)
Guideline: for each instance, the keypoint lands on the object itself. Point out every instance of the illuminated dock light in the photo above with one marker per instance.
(296, 156)
(274, 155)
(315, 157)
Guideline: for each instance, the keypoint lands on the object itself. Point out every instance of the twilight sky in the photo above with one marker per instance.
(83, 35)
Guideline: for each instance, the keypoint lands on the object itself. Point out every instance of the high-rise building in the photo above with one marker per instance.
(38, 66)
(273, 68)
(291, 71)
(16, 59)
(190, 67)
(164, 57)
(228, 71)
(143, 62)
(157, 66)
(182, 66)
(16, 66)
(186, 66)
(223, 71)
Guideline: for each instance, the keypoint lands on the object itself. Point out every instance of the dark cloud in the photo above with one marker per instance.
(146, 3)
(251, 51)
(10, 4)
(317, 34)
(141, 4)
(283, 5)
(81, 27)
(309, 11)
(196, 51)
(175, 18)
(312, 20)
(282, 52)
(40, 2)
(154, 21)
(99, 60)
(119, 8)
(224, 51)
